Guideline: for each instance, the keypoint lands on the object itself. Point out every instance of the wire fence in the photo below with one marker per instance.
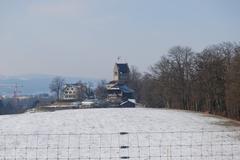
(182, 145)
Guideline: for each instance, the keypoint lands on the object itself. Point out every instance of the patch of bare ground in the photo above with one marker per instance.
(225, 121)
(228, 123)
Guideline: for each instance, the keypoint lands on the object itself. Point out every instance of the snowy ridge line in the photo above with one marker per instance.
(117, 133)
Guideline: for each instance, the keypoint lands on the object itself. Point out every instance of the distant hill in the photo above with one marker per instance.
(35, 84)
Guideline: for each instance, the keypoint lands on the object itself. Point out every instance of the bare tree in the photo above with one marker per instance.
(206, 81)
(233, 87)
(135, 82)
(56, 85)
(82, 90)
(101, 91)
(173, 74)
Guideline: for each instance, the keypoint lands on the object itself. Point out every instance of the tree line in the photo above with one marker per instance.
(14, 105)
(208, 81)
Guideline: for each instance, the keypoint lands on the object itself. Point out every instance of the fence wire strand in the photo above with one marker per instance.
(180, 145)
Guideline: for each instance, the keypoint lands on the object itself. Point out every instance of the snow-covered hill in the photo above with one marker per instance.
(111, 120)
(95, 134)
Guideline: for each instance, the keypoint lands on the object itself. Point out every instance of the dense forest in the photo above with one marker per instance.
(208, 81)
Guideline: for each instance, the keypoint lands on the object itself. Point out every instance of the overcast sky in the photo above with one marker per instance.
(85, 37)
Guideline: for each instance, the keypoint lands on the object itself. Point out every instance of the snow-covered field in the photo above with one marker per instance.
(95, 134)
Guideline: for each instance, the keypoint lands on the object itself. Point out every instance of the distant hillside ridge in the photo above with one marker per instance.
(36, 84)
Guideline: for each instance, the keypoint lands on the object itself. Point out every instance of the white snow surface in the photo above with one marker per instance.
(172, 134)
(110, 120)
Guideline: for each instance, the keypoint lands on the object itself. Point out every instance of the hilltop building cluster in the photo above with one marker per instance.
(118, 92)
(76, 92)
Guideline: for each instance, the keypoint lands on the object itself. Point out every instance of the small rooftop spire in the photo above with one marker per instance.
(121, 60)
